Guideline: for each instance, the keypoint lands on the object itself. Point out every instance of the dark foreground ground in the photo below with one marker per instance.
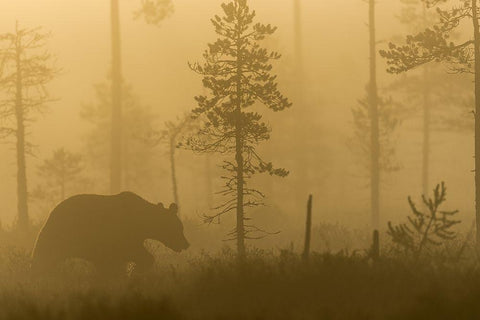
(270, 286)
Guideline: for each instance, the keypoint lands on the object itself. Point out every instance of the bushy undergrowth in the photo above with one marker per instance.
(340, 281)
(270, 285)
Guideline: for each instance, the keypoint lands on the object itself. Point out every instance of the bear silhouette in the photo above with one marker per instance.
(108, 231)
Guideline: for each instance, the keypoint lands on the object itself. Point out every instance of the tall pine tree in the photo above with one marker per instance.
(237, 72)
(434, 44)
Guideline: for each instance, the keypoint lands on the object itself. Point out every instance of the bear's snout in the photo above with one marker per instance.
(184, 246)
(179, 246)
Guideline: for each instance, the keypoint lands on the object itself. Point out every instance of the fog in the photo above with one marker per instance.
(165, 165)
(335, 59)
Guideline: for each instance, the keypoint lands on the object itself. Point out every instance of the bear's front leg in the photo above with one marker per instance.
(143, 262)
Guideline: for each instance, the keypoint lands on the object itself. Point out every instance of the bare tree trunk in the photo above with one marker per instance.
(174, 173)
(376, 245)
(373, 103)
(302, 164)
(477, 118)
(116, 134)
(308, 230)
(426, 133)
(297, 12)
(22, 194)
(426, 122)
(126, 176)
(62, 190)
(209, 184)
(62, 182)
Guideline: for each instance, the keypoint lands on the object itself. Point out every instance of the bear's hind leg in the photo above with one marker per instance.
(47, 265)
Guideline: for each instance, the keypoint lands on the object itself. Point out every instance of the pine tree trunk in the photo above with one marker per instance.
(62, 190)
(22, 194)
(240, 230)
(426, 121)
(126, 175)
(373, 104)
(240, 184)
(116, 134)
(62, 181)
(426, 133)
(477, 119)
(174, 173)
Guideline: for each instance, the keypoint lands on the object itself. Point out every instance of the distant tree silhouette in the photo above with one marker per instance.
(116, 113)
(172, 136)
(303, 165)
(237, 71)
(434, 44)
(374, 126)
(389, 119)
(298, 47)
(428, 91)
(138, 120)
(415, 15)
(153, 12)
(61, 170)
(27, 68)
(367, 124)
(209, 181)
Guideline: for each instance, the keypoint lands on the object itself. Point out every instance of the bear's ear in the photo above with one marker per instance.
(173, 208)
(161, 205)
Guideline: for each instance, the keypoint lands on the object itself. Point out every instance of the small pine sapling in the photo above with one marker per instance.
(425, 230)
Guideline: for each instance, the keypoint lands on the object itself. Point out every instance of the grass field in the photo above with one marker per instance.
(271, 285)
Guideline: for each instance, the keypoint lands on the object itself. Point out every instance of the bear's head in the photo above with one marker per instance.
(171, 233)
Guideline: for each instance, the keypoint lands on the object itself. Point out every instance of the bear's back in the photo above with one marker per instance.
(91, 206)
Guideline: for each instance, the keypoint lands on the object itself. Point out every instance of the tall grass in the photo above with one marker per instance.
(269, 286)
(273, 284)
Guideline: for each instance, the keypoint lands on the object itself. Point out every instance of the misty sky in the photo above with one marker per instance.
(155, 59)
(335, 44)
